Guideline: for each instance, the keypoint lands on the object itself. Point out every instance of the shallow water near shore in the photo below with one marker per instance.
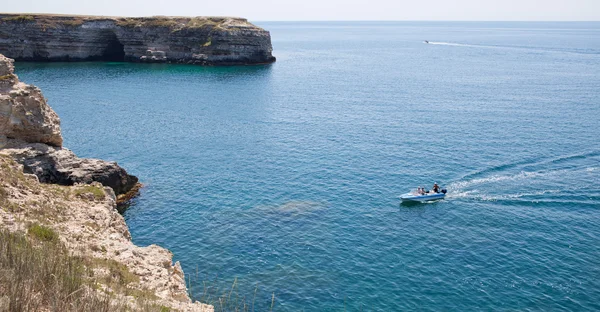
(289, 175)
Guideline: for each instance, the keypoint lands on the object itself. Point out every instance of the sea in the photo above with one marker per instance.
(278, 185)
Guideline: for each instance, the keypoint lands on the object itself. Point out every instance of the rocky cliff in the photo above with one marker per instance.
(88, 225)
(188, 40)
(30, 134)
(77, 200)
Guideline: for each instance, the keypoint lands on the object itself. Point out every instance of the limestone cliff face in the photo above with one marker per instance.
(24, 112)
(88, 224)
(197, 40)
(30, 134)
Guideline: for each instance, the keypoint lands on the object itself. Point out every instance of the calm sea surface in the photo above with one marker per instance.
(288, 176)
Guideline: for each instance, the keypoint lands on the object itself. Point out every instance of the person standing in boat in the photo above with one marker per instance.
(436, 187)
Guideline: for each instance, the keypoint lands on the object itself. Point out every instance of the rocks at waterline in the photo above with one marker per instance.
(30, 134)
(61, 166)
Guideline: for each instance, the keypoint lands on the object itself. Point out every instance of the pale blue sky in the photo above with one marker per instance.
(310, 10)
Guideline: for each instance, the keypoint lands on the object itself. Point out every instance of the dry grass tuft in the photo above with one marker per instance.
(43, 276)
(37, 272)
(90, 192)
(19, 19)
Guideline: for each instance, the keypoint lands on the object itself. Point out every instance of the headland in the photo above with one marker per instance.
(158, 39)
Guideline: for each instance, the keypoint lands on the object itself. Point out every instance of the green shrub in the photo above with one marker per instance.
(42, 233)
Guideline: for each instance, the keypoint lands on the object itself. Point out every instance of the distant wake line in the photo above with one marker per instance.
(455, 44)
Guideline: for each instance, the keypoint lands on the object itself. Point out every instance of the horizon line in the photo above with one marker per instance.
(318, 20)
(428, 21)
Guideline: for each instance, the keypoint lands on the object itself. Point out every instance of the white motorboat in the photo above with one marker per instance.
(415, 197)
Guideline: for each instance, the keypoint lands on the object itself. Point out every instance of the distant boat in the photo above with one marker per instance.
(414, 197)
(425, 41)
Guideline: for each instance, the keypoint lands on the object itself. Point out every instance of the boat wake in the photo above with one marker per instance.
(451, 44)
(564, 179)
(522, 48)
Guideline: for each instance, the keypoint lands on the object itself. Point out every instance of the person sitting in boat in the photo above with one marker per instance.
(436, 187)
(421, 190)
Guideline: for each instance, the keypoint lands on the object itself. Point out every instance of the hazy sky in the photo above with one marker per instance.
(301, 10)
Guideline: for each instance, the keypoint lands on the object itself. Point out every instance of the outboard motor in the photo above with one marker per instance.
(444, 191)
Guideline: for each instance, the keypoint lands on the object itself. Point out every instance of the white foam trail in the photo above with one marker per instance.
(494, 178)
(537, 49)
(471, 189)
(475, 195)
(457, 186)
(450, 44)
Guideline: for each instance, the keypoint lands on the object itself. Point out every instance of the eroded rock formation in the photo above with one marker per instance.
(82, 209)
(30, 134)
(88, 224)
(188, 40)
(24, 113)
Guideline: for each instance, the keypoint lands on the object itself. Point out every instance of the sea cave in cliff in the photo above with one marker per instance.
(114, 51)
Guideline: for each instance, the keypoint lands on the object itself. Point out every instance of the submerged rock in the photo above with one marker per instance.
(187, 40)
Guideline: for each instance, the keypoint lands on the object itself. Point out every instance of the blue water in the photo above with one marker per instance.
(288, 176)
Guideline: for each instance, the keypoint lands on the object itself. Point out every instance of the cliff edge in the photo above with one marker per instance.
(30, 133)
(87, 224)
(159, 39)
(77, 201)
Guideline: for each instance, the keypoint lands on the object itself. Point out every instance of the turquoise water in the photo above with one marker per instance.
(289, 175)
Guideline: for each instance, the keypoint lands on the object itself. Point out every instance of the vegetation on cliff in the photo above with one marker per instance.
(45, 20)
(38, 271)
(65, 248)
(173, 23)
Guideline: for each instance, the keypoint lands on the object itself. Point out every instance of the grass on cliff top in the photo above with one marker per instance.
(41, 275)
(46, 21)
(19, 18)
(172, 23)
(148, 22)
(38, 273)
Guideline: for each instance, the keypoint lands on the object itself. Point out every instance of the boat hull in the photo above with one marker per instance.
(409, 197)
